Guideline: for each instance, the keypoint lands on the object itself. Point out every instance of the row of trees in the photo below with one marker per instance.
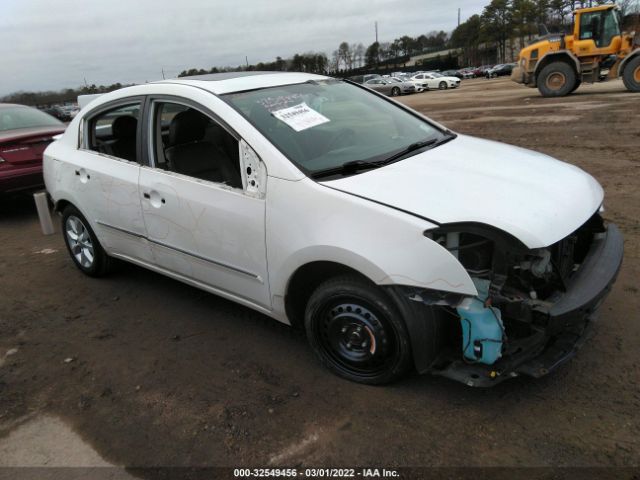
(514, 22)
(347, 57)
(60, 96)
(301, 62)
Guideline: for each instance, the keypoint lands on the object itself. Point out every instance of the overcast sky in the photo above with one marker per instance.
(47, 44)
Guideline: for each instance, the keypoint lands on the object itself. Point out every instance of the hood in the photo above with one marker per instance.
(535, 198)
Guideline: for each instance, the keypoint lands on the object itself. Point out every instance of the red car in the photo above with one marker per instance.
(24, 134)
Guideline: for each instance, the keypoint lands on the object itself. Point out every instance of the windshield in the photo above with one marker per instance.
(323, 125)
(14, 118)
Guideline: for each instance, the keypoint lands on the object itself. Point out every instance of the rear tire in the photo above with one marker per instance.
(82, 244)
(557, 80)
(631, 75)
(357, 331)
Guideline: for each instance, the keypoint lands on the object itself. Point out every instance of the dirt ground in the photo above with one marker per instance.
(150, 372)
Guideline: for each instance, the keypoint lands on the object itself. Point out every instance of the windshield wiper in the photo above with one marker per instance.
(433, 142)
(346, 168)
(359, 165)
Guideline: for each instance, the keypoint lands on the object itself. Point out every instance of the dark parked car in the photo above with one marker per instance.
(58, 112)
(500, 70)
(24, 134)
(452, 73)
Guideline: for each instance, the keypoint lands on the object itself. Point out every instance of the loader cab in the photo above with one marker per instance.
(597, 30)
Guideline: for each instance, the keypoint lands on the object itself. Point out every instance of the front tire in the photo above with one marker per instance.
(557, 80)
(357, 332)
(442, 85)
(631, 75)
(395, 91)
(82, 244)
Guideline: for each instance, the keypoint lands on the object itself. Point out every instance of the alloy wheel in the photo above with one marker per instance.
(80, 242)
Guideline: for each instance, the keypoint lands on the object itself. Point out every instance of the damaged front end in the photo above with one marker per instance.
(534, 306)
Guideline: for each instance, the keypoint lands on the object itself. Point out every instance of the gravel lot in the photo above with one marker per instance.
(164, 374)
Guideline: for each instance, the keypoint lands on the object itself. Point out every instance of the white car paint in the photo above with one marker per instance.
(433, 80)
(246, 244)
(475, 180)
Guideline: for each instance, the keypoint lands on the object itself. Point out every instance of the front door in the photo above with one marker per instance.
(201, 222)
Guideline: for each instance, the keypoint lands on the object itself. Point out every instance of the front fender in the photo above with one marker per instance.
(384, 244)
(626, 60)
(557, 53)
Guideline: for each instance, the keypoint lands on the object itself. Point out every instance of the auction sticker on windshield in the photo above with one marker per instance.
(300, 117)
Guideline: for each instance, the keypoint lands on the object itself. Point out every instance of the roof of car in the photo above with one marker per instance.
(228, 82)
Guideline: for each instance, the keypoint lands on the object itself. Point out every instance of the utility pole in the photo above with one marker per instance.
(246, 60)
(376, 26)
(458, 17)
(163, 73)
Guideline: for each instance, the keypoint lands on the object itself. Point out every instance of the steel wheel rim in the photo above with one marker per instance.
(79, 241)
(636, 74)
(556, 80)
(353, 335)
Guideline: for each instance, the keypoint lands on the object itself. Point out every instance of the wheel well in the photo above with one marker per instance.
(560, 57)
(60, 205)
(303, 283)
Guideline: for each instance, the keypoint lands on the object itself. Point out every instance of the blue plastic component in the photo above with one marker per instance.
(482, 328)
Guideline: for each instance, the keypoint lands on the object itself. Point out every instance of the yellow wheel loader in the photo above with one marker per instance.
(597, 49)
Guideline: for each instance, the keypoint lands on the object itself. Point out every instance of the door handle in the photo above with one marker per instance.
(82, 173)
(154, 198)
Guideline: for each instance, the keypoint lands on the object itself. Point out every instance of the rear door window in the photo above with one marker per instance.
(115, 132)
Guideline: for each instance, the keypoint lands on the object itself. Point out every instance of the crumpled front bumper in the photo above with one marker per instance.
(570, 319)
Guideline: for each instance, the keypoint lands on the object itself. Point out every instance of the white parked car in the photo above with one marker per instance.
(434, 80)
(394, 242)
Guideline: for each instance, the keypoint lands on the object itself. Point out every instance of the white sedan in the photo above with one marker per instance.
(434, 80)
(395, 243)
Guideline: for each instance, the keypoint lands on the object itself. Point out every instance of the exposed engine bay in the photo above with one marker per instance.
(528, 300)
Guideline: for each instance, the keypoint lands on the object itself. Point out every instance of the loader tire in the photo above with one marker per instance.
(631, 75)
(557, 80)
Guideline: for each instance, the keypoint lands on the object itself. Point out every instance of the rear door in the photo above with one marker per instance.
(103, 174)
